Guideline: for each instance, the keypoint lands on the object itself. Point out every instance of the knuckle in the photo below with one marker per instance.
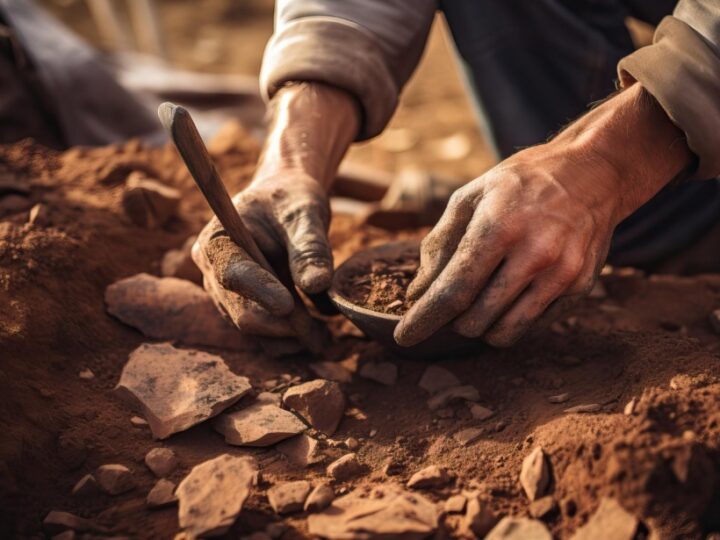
(568, 271)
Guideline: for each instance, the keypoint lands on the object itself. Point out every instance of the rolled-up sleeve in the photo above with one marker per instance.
(681, 69)
(366, 47)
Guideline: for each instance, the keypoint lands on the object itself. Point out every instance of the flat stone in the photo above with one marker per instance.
(213, 494)
(610, 520)
(260, 424)
(448, 395)
(515, 528)
(161, 461)
(584, 408)
(177, 389)
(384, 512)
(383, 372)
(288, 497)
(138, 422)
(178, 263)
(114, 478)
(320, 402)
(172, 309)
(301, 450)
(479, 518)
(535, 474)
(162, 494)
(436, 378)
(542, 508)
(559, 398)
(468, 436)
(455, 504)
(57, 522)
(479, 412)
(345, 467)
(147, 202)
(320, 498)
(332, 371)
(87, 486)
(715, 320)
(429, 477)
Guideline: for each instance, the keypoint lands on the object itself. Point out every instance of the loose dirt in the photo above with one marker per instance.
(649, 340)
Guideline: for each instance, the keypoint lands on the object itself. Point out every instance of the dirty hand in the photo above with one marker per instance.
(530, 236)
(286, 210)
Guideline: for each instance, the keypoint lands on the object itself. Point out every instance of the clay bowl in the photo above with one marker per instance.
(380, 326)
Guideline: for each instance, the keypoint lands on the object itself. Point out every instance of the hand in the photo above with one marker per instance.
(530, 236)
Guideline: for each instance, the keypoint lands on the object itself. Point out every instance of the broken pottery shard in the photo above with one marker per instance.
(288, 497)
(301, 450)
(178, 389)
(114, 479)
(56, 522)
(321, 403)
(468, 436)
(584, 408)
(332, 371)
(455, 504)
(514, 528)
(161, 461)
(437, 378)
(178, 263)
(383, 372)
(147, 202)
(170, 308)
(319, 499)
(559, 398)
(162, 494)
(86, 486)
(610, 520)
(385, 512)
(442, 398)
(535, 474)
(212, 495)
(479, 412)
(345, 467)
(260, 424)
(429, 477)
(479, 518)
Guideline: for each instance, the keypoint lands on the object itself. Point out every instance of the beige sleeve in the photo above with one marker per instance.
(681, 69)
(367, 47)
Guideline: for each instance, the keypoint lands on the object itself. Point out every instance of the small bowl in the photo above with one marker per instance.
(380, 326)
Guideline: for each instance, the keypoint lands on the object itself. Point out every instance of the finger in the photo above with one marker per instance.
(479, 253)
(439, 245)
(237, 272)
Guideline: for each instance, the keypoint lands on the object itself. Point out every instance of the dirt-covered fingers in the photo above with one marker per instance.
(250, 318)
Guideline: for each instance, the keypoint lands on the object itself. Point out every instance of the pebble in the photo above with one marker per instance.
(178, 263)
(610, 520)
(479, 412)
(319, 499)
(542, 508)
(57, 522)
(468, 436)
(436, 378)
(320, 402)
(147, 202)
(86, 486)
(535, 474)
(351, 443)
(515, 528)
(332, 371)
(161, 461)
(301, 450)
(429, 477)
(345, 467)
(260, 424)
(629, 408)
(383, 372)
(114, 479)
(455, 504)
(447, 395)
(559, 398)
(479, 518)
(386, 512)
(209, 386)
(86, 374)
(161, 494)
(212, 495)
(584, 408)
(715, 320)
(137, 421)
(288, 497)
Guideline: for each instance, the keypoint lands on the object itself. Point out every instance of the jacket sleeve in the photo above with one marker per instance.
(681, 69)
(366, 47)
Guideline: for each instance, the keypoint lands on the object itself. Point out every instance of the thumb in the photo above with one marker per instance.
(309, 253)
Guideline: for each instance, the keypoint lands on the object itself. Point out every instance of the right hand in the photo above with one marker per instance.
(288, 215)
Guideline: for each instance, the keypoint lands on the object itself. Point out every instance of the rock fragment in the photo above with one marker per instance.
(57, 522)
(178, 263)
(514, 528)
(468, 436)
(442, 398)
(138, 422)
(610, 520)
(86, 486)
(479, 517)
(345, 467)
(351, 443)
(213, 494)
(542, 508)
(147, 202)
(319, 499)
(86, 374)
(559, 398)
(260, 424)
(629, 408)
(436, 378)
(288, 497)
(187, 387)
(161, 461)
(173, 309)
(455, 504)
(161, 494)
(385, 512)
(383, 372)
(535, 474)
(481, 413)
(584, 408)
(429, 477)
(114, 479)
(332, 371)
(320, 402)
(301, 450)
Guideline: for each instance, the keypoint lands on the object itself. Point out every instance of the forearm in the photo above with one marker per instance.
(313, 125)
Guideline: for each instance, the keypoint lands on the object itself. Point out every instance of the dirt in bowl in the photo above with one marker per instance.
(381, 284)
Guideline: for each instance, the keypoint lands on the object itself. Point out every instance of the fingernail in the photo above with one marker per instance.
(315, 279)
(400, 335)
(280, 301)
